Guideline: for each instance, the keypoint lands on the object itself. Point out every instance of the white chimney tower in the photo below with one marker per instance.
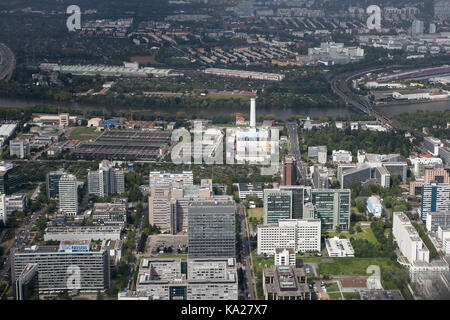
(252, 113)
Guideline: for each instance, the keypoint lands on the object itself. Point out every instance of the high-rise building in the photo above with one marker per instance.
(417, 28)
(106, 181)
(289, 171)
(332, 207)
(435, 198)
(211, 229)
(161, 211)
(300, 235)
(58, 266)
(277, 205)
(68, 195)
(19, 148)
(26, 287)
(300, 197)
(52, 180)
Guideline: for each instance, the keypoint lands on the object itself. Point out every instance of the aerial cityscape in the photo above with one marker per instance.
(237, 150)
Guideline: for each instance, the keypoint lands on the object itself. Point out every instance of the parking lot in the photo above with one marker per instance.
(162, 241)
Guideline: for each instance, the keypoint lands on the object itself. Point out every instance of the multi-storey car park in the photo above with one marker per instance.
(126, 145)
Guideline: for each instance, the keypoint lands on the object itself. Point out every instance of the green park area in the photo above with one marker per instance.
(365, 233)
(351, 266)
(256, 213)
(83, 134)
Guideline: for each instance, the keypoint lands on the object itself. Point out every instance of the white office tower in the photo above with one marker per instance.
(68, 195)
(3, 213)
(252, 113)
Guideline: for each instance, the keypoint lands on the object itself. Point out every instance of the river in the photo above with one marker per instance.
(282, 114)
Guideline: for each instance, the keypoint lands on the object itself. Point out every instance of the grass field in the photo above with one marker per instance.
(365, 234)
(332, 287)
(83, 134)
(255, 213)
(352, 266)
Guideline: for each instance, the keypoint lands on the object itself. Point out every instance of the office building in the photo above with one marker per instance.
(435, 198)
(444, 153)
(342, 156)
(432, 145)
(437, 219)
(10, 177)
(107, 181)
(437, 175)
(26, 287)
(285, 257)
(211, 229)
(161, 209)
(277, 205)
(318, 154)
(332, 207)
(339, 247)
(443, 234)
(68, 195)
(19, 148)
(397, 169)
(423, 163)
(111, 214)
(246, 189)
(348, 175)
(80, 233)
(285, 283)
(3, 211)
(289, 171)
(432, 29)
(408, 239)
(383, 177)
(320, 177)
(52, 179)
(417, 28)
(168, 205)
(374, 206)
(15, 202)
(441, 9)
(164, 179)
(194, 279)
(299, 235)
(300, 201)
(55, 262)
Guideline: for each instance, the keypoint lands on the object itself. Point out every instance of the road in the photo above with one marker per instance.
(302, 168)
(22, 240)
(246, 259)
(340, 86)
(7, 62)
